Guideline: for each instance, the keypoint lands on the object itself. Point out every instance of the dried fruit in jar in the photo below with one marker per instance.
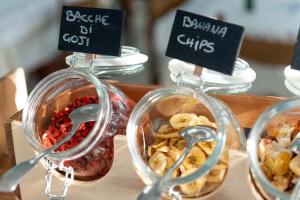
(170, 145)
(195, 159)
(158, 163)
(98, 161)
(279, 164)
(183, 120)
(195, 187)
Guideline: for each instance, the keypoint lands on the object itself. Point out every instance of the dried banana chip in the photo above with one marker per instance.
(169, 165)
(203, 120)
(195, 159)
(161, 144)
(207, 146)
(173, 141)
(193, 188)
(167, 135)
(183, 120)
(181, 144)
(158, 163)
(159, 140)
(174, 153)
(163, 149)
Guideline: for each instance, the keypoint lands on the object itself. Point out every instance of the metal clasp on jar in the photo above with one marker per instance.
(69, 178)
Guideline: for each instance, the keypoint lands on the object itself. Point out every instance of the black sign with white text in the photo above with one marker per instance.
(296, 54)
(205, 42)
(91, 30)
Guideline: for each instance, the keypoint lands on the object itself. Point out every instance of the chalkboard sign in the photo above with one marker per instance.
(91, 30)
(205, 42)
(296, 55)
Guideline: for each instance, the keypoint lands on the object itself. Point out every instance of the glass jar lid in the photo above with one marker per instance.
(131, 61)
(214, 82)
(292, 80)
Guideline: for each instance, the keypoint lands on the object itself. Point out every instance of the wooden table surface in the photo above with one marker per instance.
(246, 107)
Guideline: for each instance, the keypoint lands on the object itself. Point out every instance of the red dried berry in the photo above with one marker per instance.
(97, 162)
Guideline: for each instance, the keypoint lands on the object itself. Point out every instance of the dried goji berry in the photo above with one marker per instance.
(97, 162)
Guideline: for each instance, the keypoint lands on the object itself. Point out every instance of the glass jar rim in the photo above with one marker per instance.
(36, 97)
(149, 99)
(241, 80)
(292, 80)
(255, 135)
(131, 61)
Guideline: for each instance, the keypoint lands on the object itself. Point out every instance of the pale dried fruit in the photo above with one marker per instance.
(195, 159)
(280, 182)
(295, 165)
(284, 142)
(272, 150)
(261, 148)
(285, 132)
(184, 120)
(279, 165)
(267, 171)
(158, 163)
(193, 188)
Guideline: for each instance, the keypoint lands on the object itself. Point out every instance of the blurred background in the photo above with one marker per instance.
(29, 35)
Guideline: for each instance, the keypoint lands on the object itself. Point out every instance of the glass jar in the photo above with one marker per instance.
(88, 155)
(45, 123)
(274, 166)
(292, 80)
(154, 143)
(214, 82)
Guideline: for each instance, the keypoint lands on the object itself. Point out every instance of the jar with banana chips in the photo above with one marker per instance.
(155, 144)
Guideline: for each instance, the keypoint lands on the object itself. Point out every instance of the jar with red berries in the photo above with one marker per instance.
(88, 155)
